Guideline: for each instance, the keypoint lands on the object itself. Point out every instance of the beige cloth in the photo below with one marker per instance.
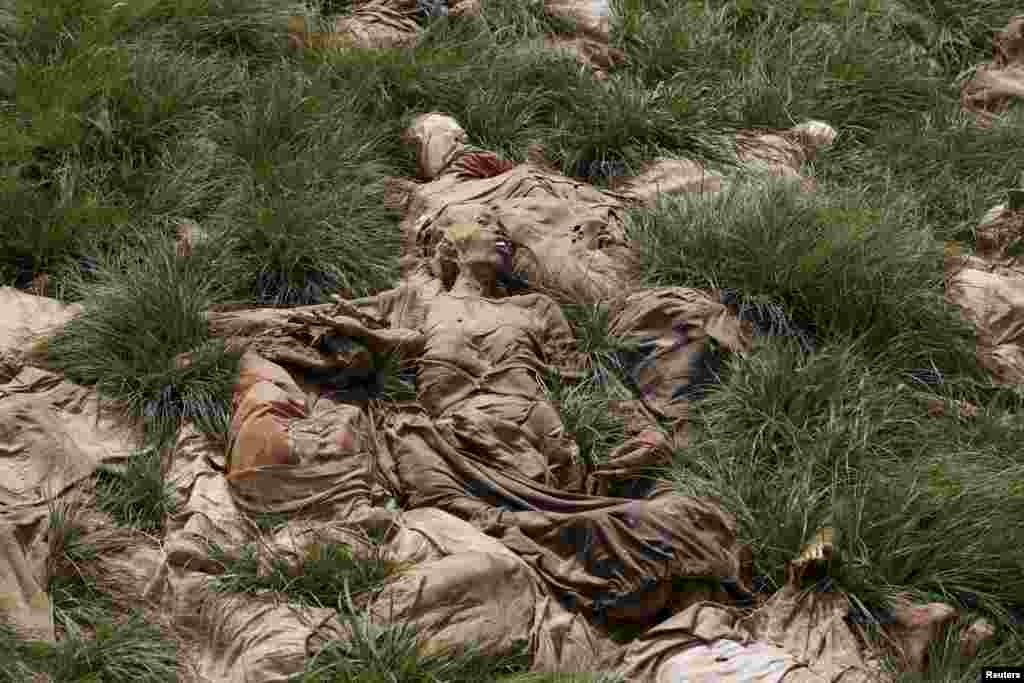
(571, 235)
(53, 434)
(995, 85)
(601, 555)
(677, 326)
(371, 24)
(269, 333)
(380, 23)
(989, 289)
(24, 603)
(592, 17)
(483, 357)
(457, 584)
(669, 176)
(573, 232)
(24, 319)
(488, 449)
(468, 587)
(796, 637)
(596, 55)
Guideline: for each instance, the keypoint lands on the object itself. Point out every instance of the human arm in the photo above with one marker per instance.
(408, 342)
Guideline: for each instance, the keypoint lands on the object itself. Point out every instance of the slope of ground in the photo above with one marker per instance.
(124, 123)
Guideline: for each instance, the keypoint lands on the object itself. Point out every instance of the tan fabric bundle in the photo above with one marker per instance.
(24, 320)
(676, 325)
(995, 85)
(796, 637)
(989, 289)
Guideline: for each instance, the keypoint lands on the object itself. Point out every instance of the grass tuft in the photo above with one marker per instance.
(586, 409)
(920, 503)
(326, 572)
(73, 594)
(396, 653)
(129, 650)
(136, 494)
(143, 311)
(854, 268)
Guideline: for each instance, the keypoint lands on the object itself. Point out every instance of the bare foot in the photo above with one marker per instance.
(915, 626)
(815, 556)
(974, 636)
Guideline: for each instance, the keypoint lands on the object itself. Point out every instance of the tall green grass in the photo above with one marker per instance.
(326, 573)
(118, 122)
(855, 266)
(920, 503)
(143, 311)
(395, 653)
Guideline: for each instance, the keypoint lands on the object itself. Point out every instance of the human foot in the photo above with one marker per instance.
(915, 626)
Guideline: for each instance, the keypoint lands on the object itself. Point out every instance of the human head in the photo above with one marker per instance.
(438, 138)
(562, 248)
(482, 249)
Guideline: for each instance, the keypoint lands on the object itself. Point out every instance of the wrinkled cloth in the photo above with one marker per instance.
(285, 455)
(455, 583)
(467, 587)
(24, 603)
(668, 176)
(997, 84)
(591, 17)
(371, 24)
(783, 154)
(268, 333)
(24, 319)
(597, 56)
(795, 637)
(53, 435)
(674, 328)
(485, 357)
(488, 366)
(601, 555)
(989, 290)
(571, 235)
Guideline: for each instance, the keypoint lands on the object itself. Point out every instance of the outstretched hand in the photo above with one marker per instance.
(347, 308)
(344, 325)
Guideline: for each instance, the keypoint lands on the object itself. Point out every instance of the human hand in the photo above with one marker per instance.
(343, 325)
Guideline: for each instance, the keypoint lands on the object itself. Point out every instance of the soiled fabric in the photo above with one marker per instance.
(668, 176)
(596, 554)
(573, 233)
(989, 289)
(285, 454)
(53, 435)
(596, 55)
(268, 333)
(997, 84)
(784, 153)
(675, 328)
(455, 583)
(24, 603)
(795, 637)
(591, 17)
(483, 357)
(24, 319)
(238, 638)
(468, 587)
